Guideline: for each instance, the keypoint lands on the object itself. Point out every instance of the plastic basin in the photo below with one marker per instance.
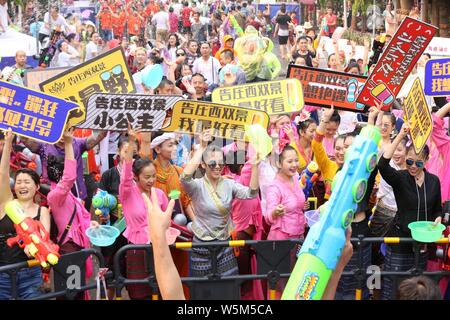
(312, 216)
(426, 231)
(102, 236)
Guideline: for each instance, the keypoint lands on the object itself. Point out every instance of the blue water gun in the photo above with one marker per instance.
(103, 203)
(323, 246)
(308, 177)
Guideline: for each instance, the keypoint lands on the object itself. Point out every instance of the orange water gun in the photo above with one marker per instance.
(29, 233)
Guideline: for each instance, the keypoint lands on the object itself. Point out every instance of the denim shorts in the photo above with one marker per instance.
(29, 281)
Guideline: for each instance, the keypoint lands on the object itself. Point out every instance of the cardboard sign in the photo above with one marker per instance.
(437, 77)
(416, 110)
(33, 78)
(33, 114)
(396, 62)
(273, 97)
(113, 111)
(325, 87)
(107, 72)
(228, 121)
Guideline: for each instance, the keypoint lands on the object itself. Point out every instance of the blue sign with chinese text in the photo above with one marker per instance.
(33, 114)
(437, 77)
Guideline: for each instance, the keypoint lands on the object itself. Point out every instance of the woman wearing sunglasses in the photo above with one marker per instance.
(212, 196)
(418, 197)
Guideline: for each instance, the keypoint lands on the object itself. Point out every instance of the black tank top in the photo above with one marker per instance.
(15, 254)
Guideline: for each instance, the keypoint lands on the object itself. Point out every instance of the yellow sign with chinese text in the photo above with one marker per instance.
(273, 97)
(417, 111)
(228, 122)
(106, 73)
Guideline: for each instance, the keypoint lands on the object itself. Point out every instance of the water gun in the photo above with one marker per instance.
(308, 177)
(49, 52)
(325, 241)
(103, 203)
(29, 233)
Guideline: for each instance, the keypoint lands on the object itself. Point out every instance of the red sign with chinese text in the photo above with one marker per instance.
(398, 59)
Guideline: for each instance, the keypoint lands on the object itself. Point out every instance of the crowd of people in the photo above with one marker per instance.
(201, 46)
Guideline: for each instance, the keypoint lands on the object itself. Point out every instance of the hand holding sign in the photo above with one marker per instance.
(406, 127)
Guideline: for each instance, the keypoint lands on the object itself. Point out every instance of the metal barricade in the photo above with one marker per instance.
(273, 264)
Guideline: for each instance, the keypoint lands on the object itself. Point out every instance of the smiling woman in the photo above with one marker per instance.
(212, 196)
(26, 183)
(418, 197)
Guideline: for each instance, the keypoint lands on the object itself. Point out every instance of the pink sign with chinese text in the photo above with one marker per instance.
(397, 61)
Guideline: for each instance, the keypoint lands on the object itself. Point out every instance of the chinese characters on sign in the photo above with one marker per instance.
(114, 111)
(417, 111)
(398, 59)
(227, 121)
(437, 77)
(33, 114)
(273, 97)
(325, 87)
(107, 73)
(34, 77)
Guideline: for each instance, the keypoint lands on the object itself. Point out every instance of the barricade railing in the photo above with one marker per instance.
(274, 263)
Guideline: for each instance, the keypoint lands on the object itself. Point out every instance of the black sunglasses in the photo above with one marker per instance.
(213, 164)
(181, 54)
(410, 162)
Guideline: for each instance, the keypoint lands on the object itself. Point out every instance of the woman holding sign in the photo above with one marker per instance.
(26, 183)
(212, 196)
(418, 197)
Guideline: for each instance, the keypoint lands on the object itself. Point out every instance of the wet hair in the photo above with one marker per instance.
(197, 74)
(335, 117)
(31, 173)
(55, 167)
(340, 137)
(164, 82)
(123, 140)
(235, 160)
(211, 149)
(303, 125)
(140, 164)
(177, 41)
(228, 54)
(419, 288)
(283, 153)
(70, 37)
(391, 117)
(352, 65)
(179, 69)
(425, 153)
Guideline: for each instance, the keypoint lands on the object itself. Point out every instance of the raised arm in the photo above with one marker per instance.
(167, 275)
(92, 141)
(389, 151)
(196, 159)
(5, 189)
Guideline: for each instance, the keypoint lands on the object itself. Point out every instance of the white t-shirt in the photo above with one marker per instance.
(177, 8)
(73, 61)
(60, 22)
(209, 69)
(162, 20)
(4, 15)
(63, 59)
(91, 50)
